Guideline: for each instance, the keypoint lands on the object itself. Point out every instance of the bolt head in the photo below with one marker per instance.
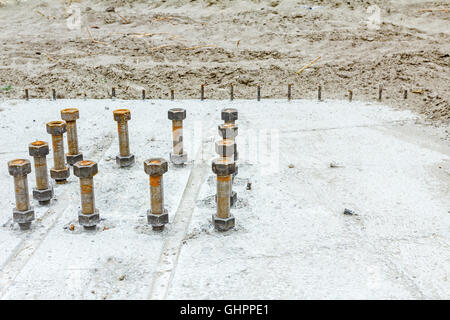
(225, 147)
(70, 114)
(122, 115)
(56, 127)
(38, 148)
(19, 167)
(229, 114)
(155, 166)
(223, 166)
(85, 169)
(228, 131)
(177, 114)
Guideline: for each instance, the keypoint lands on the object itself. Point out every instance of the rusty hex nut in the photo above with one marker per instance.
(155, 166)
(60, 174)
(38, 149)
(229, 114)
(228, 131)
(157, 220)
(56, 127)
(125, 161)
(223, 166)
(43, 195)
(74, 158)
(122, 115)
(19, 167)
(177, 114)
(223, 224)
(85, 169)
(89, 220)
(23, 216)
(225, 147)
(70, 114)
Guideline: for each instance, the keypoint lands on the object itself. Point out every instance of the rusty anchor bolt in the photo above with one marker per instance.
(88, 216)
(43, 191)
(59, 172)
(157, 215)
(23, 213)
(223, 220)
(225, 149)
(71, 115)
(177, 156)
(125, 158)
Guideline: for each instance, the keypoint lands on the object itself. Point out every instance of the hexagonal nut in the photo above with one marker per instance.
(122, 115)
(223, 166)
(228, 131)
(176, 114)
(73, 158)
(225, 147)
(178, 159)
(223, 224)
(43, 195)
(56, 127)
(19, 167)
(89, 220)
(229, 114)
(23, 216)
(70, 114)
(157, 220)
(155, 166)
(60, 174)
(125, 161)
(38, 149)
(85, 169)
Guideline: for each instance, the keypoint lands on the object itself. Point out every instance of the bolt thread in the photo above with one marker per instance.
(87, 195)
(157, 194)
(21, 193)
(124, 143)
(58, 151)
(40, 169)
(72, 137)
(223, 196)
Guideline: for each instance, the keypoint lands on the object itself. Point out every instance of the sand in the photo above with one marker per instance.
(163, 45)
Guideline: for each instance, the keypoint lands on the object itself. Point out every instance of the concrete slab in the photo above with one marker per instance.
(292, 240)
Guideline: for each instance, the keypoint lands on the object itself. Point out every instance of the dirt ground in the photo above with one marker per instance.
(86, 47)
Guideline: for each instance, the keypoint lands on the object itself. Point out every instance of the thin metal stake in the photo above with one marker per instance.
(54, 94)
(380, 93)
(319, 93)
(231, 92)
(405, 94)
(258, 93)
(172, 94)
(113, 93)
(289, 91)
(143, 94)
(350, 95)
(27, 97)
(202, 92)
